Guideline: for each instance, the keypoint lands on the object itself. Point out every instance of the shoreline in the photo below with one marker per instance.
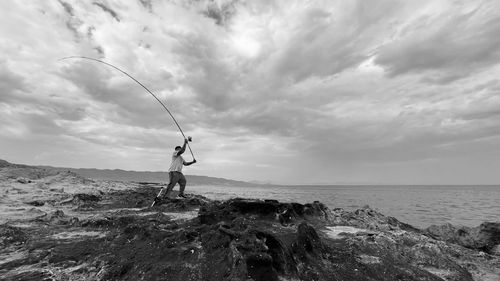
(421, 208)
(65, 227)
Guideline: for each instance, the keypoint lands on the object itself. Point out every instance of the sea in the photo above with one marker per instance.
(418, 205)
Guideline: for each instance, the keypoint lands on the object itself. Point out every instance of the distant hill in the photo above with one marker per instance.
(135, 176)
(123, 175)
(4, 164)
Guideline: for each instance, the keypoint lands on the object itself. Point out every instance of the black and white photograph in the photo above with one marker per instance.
(250, 140)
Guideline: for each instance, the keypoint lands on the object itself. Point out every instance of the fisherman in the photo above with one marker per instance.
(175, 172)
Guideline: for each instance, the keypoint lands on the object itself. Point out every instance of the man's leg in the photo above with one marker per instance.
(164, 188)
(182, 183)
(160, 195)
(174, 178)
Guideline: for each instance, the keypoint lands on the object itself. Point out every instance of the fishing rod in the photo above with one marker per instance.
(162, 104)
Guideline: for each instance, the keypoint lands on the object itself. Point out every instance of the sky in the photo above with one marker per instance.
(291, 92)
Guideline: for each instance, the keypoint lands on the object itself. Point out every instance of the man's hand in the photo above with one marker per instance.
(194, 161)
(185, 140)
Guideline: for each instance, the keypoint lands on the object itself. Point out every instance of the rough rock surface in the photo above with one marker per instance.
(485, 237)
(60, 226)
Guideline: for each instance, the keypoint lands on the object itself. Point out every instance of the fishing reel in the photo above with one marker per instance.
(190, 139)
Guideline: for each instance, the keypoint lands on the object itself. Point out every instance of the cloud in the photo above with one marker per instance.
(10, 82)
(317, 42)
(326, 39)
(107, 10)
(210, 79)
(72, 22)
(67, 7)
(447, 45)
(268, 89)
(125, 100)
(147, 4)
(220, 12)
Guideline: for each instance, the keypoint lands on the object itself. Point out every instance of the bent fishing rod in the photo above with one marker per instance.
(142, 85)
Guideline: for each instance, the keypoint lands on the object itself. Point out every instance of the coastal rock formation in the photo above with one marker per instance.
(61, 226)
(485, 237)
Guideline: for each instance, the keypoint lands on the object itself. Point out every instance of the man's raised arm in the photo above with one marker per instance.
(183, 148)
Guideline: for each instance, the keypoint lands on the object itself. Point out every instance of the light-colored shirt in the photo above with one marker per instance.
(177, 163)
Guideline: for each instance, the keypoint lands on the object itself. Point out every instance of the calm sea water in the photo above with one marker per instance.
(420, 206)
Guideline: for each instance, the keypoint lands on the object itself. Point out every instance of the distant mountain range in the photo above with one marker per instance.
(135, 176)
(157, 177)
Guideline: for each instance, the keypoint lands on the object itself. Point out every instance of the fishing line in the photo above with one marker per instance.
(162, 104)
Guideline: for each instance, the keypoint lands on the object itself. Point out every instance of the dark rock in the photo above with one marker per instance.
(11, 235)
(83, 201)
(288, 216)
(452, 234)
(315, 209)
(178, 204)
(133, 230)
(249, 206)
(31, 276)
(488, 236)
(264, 209)
(23, 180)
(215, 239)
(58, 217)
(308, 240)
(216, 212)
(495, 250)
(485, 237)
(36, 203)
(260, 267)
(283, 259)
(82, 197)
(370, 219)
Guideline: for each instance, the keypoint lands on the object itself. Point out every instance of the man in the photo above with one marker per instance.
(175, 172)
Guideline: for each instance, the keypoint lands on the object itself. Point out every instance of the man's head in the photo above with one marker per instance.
(177, 148)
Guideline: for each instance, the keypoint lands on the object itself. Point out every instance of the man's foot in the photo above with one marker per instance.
(182, 196)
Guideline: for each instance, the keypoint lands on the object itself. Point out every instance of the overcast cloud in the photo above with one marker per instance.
(384, 91)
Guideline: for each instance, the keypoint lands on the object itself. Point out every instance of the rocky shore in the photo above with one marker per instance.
(56, 225)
